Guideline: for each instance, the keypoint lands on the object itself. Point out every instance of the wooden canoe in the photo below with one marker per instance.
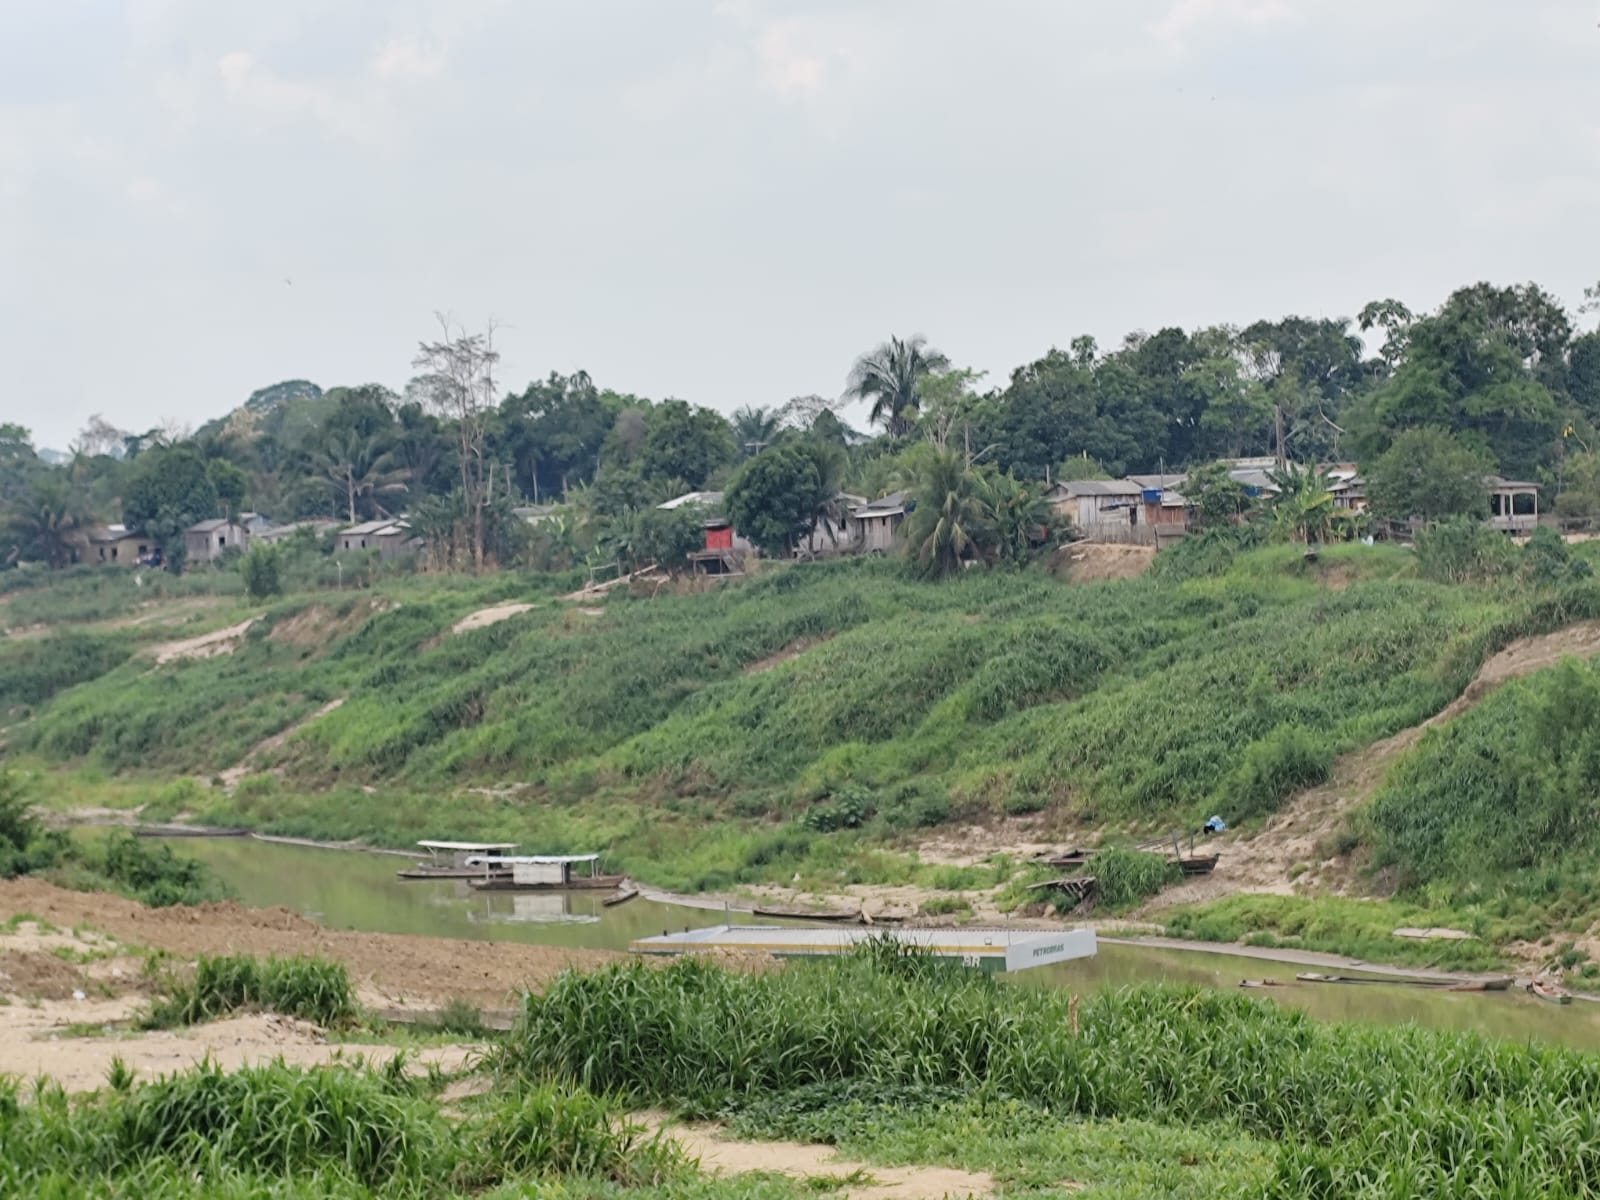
(1264, 983)
(1199, 864)
(1554, 993)
(587, 883)
(811, 914)
(620, 896)
(422, 871)
(1400, 980)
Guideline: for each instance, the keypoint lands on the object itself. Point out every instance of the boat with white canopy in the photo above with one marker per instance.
(450, 860)
(540, 873)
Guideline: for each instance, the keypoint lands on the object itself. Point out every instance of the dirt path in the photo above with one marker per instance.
(247, 764)
(485, 617)
(727, 1156)
(1299, 833)
(396, 970)
(219, 641)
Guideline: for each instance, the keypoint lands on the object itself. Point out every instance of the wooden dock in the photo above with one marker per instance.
(985, 949)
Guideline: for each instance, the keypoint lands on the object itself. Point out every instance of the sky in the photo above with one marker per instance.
(728, 200)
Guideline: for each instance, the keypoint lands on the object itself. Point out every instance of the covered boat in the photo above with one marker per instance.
(540, 873)
(449, 860)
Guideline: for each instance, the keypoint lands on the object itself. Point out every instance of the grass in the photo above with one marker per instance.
(1340, 925)
(1347, 1110)
(313, 989)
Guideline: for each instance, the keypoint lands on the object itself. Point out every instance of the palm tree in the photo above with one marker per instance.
(359, 471)
(891, 376)
(754, 428)
(949, 522)
(46, 520)
(1303, 507)
(1017, 515)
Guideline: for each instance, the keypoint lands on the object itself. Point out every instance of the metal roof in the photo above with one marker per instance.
(208, 526)
(390, 525)
(1100, 487)
(544, 858)
(468, 845)
(710, 499)
(1497, 481)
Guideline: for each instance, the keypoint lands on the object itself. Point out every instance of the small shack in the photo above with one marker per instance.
(207, 541)
(873, 526)
(117, 545)
(390, 537)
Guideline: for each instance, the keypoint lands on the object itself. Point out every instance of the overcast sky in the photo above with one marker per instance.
(727, 200)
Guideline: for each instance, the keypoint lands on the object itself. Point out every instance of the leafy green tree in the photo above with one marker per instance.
(169, 489)
(776, 497)
(685, 443)
(230, 483)
(1429, 475)
(891, 377)
(1217, 496)
(666, 537)
(1018, 519)
(260, 567)
(1580, 491)
(554, 431)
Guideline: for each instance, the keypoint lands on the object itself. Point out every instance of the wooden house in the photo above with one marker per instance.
(117, 545)
(873, 525)
(390, 537)
(207, 541)
(1513, 505)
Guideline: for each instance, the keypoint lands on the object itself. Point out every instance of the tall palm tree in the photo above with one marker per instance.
(46, 520)
(949, 523)
(1303, 507)
(359, 471)
(891, 378)
(754, 428)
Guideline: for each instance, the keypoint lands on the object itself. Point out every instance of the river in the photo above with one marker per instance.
(348, 890)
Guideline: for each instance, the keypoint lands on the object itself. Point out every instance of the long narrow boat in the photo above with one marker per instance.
(1498, 983)
(852, 915)
(457, 860)
(1198, 864)
(1545, 990)
(540, 873)
(621, 896)
(1401, 980)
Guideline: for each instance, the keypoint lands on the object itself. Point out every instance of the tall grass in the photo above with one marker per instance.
(1359, 1110)
(311, 988)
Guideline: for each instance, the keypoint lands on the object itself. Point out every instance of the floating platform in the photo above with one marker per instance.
(985, 949)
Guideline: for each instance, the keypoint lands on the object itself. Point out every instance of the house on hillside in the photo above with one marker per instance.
(725, 549)
(276, 534)
(831, 537)
(1139, 510)
(117, 545)
(1513, 505)
(390, 537)
(207, 541)
(872, 526)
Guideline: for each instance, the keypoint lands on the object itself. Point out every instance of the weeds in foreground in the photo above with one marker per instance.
(312, 989)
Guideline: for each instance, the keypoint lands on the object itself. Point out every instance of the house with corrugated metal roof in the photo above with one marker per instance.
(207, 541)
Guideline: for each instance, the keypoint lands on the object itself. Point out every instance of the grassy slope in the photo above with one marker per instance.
(645, 728)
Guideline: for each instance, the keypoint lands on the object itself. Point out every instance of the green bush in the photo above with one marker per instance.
(260, 569)
(310, 988)
(1124, 877)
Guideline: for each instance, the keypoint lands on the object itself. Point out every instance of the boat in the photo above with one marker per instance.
(1401, 980)
(620, 896)
(1198, 864)
(1068, 858)
(1498, 983)
(540, 873)
(450, 860)
(1546, 990)
(852, 915)
(1264, 983)
(188, 831)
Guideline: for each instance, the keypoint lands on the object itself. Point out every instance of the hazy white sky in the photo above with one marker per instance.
(727, 200)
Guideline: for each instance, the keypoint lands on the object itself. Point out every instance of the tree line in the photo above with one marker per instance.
(1496, 379)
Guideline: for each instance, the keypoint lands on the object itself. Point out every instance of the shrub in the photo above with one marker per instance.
(259, 567)
(1285, 761)
(1125, 877)
(313, 989)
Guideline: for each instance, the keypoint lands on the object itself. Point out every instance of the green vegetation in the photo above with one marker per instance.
(1340, 925)
(1125, 877)
(310, 988)
(1346, 1110)
(332, 1131)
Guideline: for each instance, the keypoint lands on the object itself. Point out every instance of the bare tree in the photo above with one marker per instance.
(459, 372)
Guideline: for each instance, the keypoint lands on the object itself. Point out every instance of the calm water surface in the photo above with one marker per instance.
(346, 890)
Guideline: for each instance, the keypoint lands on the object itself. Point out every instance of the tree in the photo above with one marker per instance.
(946, 525)
(168, 490)
(777, 496)
(44, 522)
(891, 378)
(1303, 508)
(685, 443)
(260, 568)
(666, 537)
(1395, 320)
(230, 483)
(1018, 517)
(1429, 475)
(754, 429)
(359, 471)
(1217, 496)
(1580, 493)
(459, 373)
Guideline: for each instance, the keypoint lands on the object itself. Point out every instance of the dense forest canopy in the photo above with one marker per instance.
(1500, 379)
